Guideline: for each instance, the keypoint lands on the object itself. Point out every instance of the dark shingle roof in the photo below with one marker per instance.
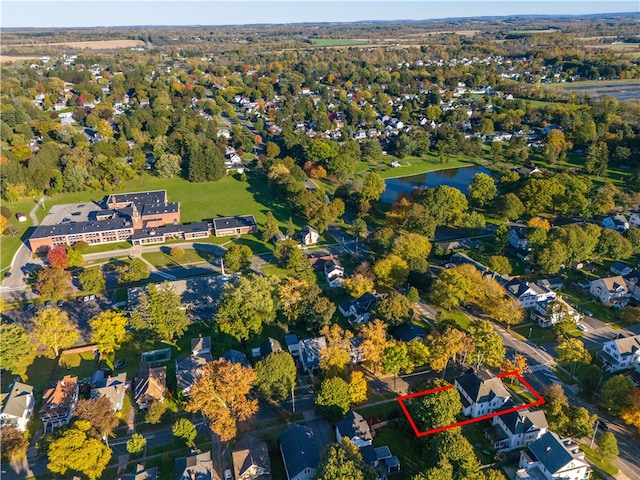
(270, 345)
(170, 229)
(195, 467)
(44, 231)
(139, 198)
(481, 386)
(409, 331)
(299, 449)
(354, 425)
(234, 222)
(521, 421)
(551, 452)
(189, 369)
(250, 451)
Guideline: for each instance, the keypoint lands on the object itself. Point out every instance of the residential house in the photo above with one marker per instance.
(201, 346)
(309, 236)
(528, 294)
(553, 283)
(59, 402)
(359, 309)
(633, 283)
(269, 346)
(408, 332)
(550, 312)
(197, 466)
(518, 429)
(611, 291)
(462, 259)
(309, 350)
(619, 268)
(481, 393)
(141, 473)
(190, 369)
(617, 222)
(552, 458)
(150, 385)
(17, 407)
(355, 428)
(334, 272)
(299, 451)
(518, 239)
(114, 388)
(236, 356)
(634, 220)
(292, 344)
(251, 459)
(621, 353)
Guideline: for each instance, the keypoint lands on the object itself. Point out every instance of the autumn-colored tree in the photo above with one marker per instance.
(333, 399)
(344, 460)
(100, 415)
(557, 146)
(136, 444)
(109, 331)
(358, 284)
(53, 283)
(443, 347)
(631, 413)
(53, 329)
(14, 443)
(391, 271)
(335, 357)
(358, 388)
(221, 395)
(176, 252)
(518, 364)
(572, 350)
(3, 223)
(374, 343)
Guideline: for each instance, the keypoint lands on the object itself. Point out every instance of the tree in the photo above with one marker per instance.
(334, 358)
(499, 264)
(633, 235)
(434, 411)
(456, 286)
(557, 146)
(396, 359)
(92, 280)
(518, 364)
(414, 249)
(582, 422)
(359, 228)
(271, 228)
(53, 329)
(374, 343)
(98, 412)
(489, 349)
(509, 206)
(552, 257)
(246, 305)
(358, 284)
(631, 412)
(160, 311)
(614, 393)
(443, 347)
(109, 331)
(572, 350)
(556, 407)
(344, 460)
(155, 412)
(53, 283)
(372, 187)
(185, 430)
(418, 353)
(75, 450)
(57, 258)
(613, 245)
(608, 446)
(14, 444)
(482, 189)
(276, 376)
(319, 313)
(272, 150)
(391, 271)
(132, 270)
(168, 165)
(445, 204)
(177, 252)
(597, 159)
(17, 352)
(358, 388)
(238, 257)
(221, 395)
(393, 309)
(136, 444)
(333, 399)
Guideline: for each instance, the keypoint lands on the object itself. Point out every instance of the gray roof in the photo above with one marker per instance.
(139, 198)
(481, 386)
(628, 345)
(17, 401)
(170, 229)
(409, 331)
(234, 222)
(153, 209)
(189, 369)
(270, 345)
(523, 420)
(310, 349)
(141, 473)
(73, 228)
(235, 356)
(113, 388)
(518, 288)
(299, 449)
(195, 467)
(354, 425)
(291, 339)
(201, 343)
(249, 451)
(551, 452)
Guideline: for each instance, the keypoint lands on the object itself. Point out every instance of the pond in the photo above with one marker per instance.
(459, 178)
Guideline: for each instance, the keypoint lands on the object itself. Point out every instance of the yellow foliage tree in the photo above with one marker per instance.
(358, 388)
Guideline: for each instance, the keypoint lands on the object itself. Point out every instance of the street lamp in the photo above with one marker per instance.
(530, 328)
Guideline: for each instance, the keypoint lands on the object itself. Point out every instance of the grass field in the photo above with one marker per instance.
(416, 165)
(191, 256)
(82, 365)
(338, 42)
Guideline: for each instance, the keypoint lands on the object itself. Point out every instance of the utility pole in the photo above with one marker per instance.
(222, 265)
(293, 398)
(594, 433)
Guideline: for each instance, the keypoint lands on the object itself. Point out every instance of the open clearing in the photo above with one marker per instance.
(90, 45)
(339, 42)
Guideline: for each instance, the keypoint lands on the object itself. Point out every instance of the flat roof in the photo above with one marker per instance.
(169, 229)
(143, 198)
(74, 228)
(234, 222)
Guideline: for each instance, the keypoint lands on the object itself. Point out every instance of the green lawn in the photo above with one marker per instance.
(455, 315)
(338, 42)
(594, 457)
(191, 256)
(406, 447)
(39, 373)
(416, 165)
(536, 334)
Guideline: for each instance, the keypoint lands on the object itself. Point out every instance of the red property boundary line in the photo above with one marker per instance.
(401, 399)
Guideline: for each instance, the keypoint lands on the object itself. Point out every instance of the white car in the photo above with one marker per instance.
(583, 327)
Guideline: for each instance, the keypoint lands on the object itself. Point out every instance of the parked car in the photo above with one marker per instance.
(583, 327)
(85, 298)
(30, 306)
(92, 297)
(60, 303)
(228, 475)
(47, 303)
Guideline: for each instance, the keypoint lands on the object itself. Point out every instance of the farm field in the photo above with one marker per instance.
(91, 45)
(339, 42)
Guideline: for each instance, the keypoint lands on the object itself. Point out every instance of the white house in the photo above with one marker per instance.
(519, 429)
(633, 284)
(114, 388)
(251, 459)
(619, 268)
(359, 309)
(309, 350)
(528, 294)
(612, 291)
(481, 393)
(334, 272)
(518, 239)
(634, 220)
(621, 353)
(550, 312)
(309, 236)
(617, 222)
(552, 458)
(355, 428)
(17, 407)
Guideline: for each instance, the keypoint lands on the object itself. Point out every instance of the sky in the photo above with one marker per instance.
(91, 13)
